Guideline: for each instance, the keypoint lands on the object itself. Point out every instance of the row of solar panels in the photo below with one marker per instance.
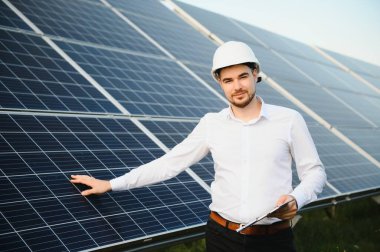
(102, 58)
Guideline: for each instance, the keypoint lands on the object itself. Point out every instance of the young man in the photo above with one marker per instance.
(252, 145)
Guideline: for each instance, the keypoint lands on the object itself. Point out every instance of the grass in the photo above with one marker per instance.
(349, 227)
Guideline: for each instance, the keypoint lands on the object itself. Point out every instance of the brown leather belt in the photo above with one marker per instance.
(253, 230)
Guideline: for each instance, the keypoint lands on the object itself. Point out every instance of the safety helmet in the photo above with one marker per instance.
(233, 53)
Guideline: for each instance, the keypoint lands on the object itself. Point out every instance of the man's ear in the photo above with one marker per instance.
(254, 72)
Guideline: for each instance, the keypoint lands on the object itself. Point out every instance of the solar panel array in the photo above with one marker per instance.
(101, 87)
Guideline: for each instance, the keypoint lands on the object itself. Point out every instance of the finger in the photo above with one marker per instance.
(83, 180)
(80, 176)
(287, 216)
(282, 200)
(88, 192)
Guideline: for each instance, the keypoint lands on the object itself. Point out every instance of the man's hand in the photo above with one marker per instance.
(287, 212)
(97, 186)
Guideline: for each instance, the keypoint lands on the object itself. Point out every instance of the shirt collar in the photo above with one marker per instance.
(263, 112)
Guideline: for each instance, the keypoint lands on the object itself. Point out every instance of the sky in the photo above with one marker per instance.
(349, 27)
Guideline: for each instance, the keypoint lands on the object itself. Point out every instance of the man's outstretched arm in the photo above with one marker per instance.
(182, 156)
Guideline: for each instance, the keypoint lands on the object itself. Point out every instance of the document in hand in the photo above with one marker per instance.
(268, 214)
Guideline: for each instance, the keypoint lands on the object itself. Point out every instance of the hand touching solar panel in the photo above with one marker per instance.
(98, 186)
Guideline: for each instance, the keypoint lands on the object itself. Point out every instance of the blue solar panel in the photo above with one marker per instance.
(183, 41)
(38, 154)
(330, 76)
(285, 45)
(368, 106)
(326, 105)
(226, 30)
(346, 169)
(146, 9)
(364, 68)
(367, 138)
(40, 147)
(9, 19)
(145, 85)
(85, 21)
(34, 76)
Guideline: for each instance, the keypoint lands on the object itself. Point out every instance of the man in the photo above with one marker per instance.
(252, 145)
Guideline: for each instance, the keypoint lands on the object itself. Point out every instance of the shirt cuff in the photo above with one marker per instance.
(300, 197)
(118, 184)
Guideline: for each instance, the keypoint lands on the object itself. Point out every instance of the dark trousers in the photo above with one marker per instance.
(219, 239)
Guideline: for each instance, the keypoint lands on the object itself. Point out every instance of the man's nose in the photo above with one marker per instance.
(238, 84)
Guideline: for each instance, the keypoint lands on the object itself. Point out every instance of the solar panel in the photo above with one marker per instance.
(346, 169)
(183, 41)
(323, 103)
(40, 146)
(367, 138)
(34, 76)
(366, 105)
(214, 22)
(9, 19)
(145, 85)
(330, 76)
(364, 68)
(271, 96)
(38, 154)
(284, 45)
(87, 21)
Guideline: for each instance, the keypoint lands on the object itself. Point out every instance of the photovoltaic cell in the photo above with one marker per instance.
(145, 85)
(346, 169)
(368, 106)
(148, 8)
(217, 24)
(326, 105)
(85, 21)
(9, 19)
(183, 41)
(359, 66)
(44, 210)
(34, 76)
(270, 96)
(284, 45)
(366, 138)
(373, 80)
(330, 76)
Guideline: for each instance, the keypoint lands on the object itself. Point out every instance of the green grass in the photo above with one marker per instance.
(350, 227)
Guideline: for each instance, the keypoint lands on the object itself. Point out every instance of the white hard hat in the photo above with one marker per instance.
(233, 53)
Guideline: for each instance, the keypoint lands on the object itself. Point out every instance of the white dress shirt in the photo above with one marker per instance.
(252, 162)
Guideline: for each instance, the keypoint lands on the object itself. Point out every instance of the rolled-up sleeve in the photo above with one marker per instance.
(188, 152)
(310, 169)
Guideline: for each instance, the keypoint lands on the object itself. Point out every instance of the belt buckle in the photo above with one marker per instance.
(241, 227)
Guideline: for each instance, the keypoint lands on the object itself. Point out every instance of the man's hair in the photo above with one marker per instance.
(251, 65)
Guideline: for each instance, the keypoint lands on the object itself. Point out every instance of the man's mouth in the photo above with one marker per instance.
(239, 94)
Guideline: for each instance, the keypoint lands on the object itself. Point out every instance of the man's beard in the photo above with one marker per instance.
(244, 103)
